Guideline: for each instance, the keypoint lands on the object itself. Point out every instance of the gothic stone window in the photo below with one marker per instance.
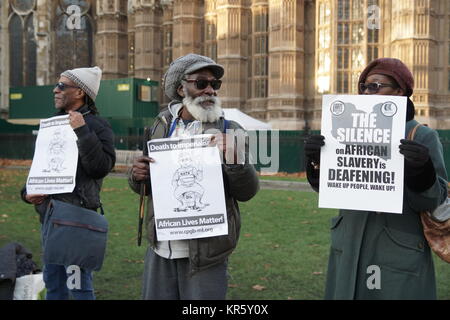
(22, 43)
(168, 42)
(74, 30)
(211, 39)
(351, 36)
(260, 52)
(373, 31)
(324, 49)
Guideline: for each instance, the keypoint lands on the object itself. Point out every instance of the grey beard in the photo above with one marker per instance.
(210, 114)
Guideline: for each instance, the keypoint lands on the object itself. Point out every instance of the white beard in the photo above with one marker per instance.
(208, 114)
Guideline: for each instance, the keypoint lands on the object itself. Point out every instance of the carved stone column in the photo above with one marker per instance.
(415, 41)
(44, 67)
(112, 38)
(258, 61)
(233, 22)
(148, 41)
(286, 64)
(311, 100)
(187, 27)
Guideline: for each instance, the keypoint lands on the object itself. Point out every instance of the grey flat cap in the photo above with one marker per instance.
(184, 65)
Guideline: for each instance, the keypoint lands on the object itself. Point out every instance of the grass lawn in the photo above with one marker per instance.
(282, 253)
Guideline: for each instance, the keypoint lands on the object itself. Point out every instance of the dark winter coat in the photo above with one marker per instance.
(393, 242)
(241, 184)
(15, 261)
(96, 158)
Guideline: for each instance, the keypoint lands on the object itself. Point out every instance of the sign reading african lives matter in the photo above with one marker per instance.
(187, 188)
(55, 159)
(361, 167)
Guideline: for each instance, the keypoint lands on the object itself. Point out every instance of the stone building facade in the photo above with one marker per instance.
(280, 56)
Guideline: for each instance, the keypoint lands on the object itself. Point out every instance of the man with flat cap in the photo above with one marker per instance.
(75, 94)
(194, 268)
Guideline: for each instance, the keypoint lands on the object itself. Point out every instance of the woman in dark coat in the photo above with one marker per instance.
(365, 244)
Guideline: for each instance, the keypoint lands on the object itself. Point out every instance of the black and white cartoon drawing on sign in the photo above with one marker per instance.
(185, 181)
(56, 153)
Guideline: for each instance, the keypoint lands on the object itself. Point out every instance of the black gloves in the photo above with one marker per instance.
(419, 170)
(312, 147)
(312, 156)
(416, 155)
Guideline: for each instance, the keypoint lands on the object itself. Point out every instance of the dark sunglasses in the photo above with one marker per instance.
(374, 86)
(202, 84)
(63, 86)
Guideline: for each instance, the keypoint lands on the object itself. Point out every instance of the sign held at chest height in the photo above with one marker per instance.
(55, 159)
(361, 167)
(187, 188)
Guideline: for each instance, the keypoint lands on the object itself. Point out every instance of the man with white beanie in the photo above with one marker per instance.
(194, 268)
(75, 94)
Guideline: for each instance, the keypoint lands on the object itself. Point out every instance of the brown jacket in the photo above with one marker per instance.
(241, 184)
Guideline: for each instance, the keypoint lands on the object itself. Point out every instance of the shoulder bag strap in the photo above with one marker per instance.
(412, 132)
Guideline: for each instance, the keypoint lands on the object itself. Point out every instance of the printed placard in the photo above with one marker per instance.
(55, 159)
(187, 188)
(361, 167)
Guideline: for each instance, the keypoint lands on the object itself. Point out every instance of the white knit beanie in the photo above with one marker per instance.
(88, 79)
(184, 65)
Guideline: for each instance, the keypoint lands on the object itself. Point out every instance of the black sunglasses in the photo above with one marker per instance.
(201, 84)
(63, 86)
(374, 86)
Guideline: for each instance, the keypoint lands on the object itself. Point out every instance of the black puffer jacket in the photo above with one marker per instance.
(15, 261)
(96, 158)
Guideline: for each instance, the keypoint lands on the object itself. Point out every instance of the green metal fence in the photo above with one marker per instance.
(276, 151)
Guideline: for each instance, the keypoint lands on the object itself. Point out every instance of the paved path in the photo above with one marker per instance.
(285, 185)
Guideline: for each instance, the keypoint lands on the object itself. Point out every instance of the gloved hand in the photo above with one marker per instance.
(420, 174)
(312, 146)
(416, 155)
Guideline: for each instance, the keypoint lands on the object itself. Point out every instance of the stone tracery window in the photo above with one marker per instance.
(324, 47)
(74, 30)
(260, 52)
(211, 38)
(22, 43)
(351, 35)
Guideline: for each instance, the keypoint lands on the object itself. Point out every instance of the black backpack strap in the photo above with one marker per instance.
(101, 209)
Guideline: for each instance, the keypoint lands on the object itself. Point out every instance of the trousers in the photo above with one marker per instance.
(60, 281)
(169, 279)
